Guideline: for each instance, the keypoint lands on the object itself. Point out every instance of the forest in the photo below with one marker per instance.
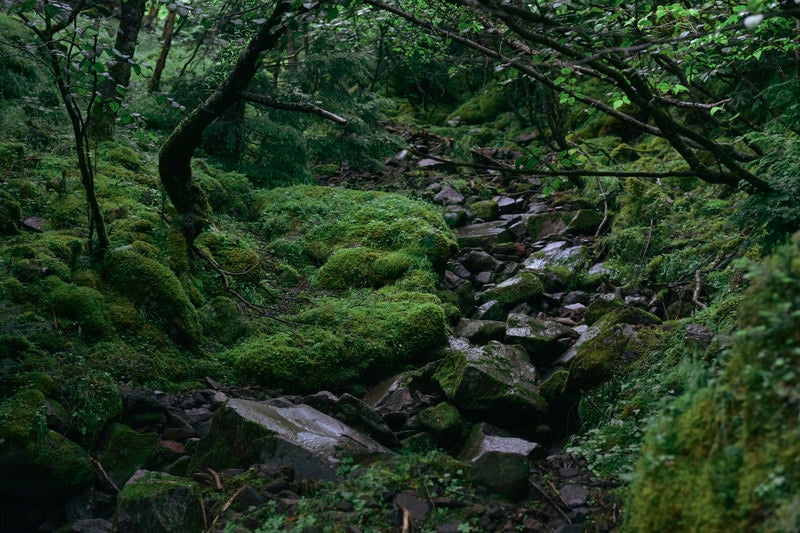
(399, 266)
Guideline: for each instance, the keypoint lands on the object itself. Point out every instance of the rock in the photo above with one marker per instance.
(125, 451)
(543, 339)
(400, 397)
(558, 255)
(499, 463)
(91, 525)
(355, 413)
(443, 421)
(485, 209)
(244, 432)
(574, 495)
(458, 269)
(480, 331)
(156, 502)
(495, 380)
(525, 287)
(507, 205)
(448, 195)
(37, 462)
(492, 310)
(483, 235)
(557, 223)
(481, 261)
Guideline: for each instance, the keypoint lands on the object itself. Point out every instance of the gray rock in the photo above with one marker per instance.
(485, 209)
(448, 195)
(506, 204)
(458, 269)
(574, 495)
(499, 463)
(483, 235)
(491, 310)
(523, 288)
(543, 339)
(312, 443)
(480, 261)
(483, 277)
(400, 397)
(156, 502)
(91, 525)
(557, 254)
(495, 380)
(557, 223)
(481, 331)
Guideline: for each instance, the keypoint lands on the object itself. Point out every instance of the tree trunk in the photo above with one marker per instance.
(169, 25)
(175, 156)
(101, 125)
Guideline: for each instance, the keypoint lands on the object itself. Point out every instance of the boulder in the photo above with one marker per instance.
(485, 209)
(448, 196)
(480, 331)
(501, 464)
(557, 254)
(495, 380)
(557, 223)
(483, 235)
(525, 287)
(443, 422)
(37, 462)
(279, 433)
(156, 502)
(402, 396)
(544, 339)
(481, 261)
(355, 413)
(492, 310)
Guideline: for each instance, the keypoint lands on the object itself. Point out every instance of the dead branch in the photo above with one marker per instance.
(698, 286)
(226, 506)
(103, 473)
(552, 502)
(302, 107)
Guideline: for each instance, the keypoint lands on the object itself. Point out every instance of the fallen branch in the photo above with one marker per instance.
(698, 286)
(226, 506)
(103, 472)
(302, 107)
(552, 502)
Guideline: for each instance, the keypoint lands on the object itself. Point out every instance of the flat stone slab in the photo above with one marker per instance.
(483, 235)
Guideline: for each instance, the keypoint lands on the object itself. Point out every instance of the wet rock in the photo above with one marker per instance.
(448, 196)
(481, 261)
(501, 464)
(574, 495)
(524, 287)
(458, 269)
(90, 525)
(485, 209)
(355, 413)
(492, 310)
(312, 443)
(480, 331)
(156, 502)
(400, 397)
(443, 422)
(495, 379)
(544, 339)
(558, 255)
(557, 223)
(483, 235)
(507, 204)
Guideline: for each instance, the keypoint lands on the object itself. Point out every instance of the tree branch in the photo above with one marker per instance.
(302, 107)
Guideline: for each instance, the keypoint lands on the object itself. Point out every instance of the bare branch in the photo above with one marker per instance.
(302, 107)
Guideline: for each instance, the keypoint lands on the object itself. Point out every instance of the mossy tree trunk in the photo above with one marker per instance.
(174, 163)
(113, 89)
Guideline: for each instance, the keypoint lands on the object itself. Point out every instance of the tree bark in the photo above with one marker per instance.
(166, 37)
(101, 125)
(175, 156)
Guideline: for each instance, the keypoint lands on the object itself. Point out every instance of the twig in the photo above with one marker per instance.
(205, 515)
(103, 472)
(698, 286)
(605, 208)
(217, 481)
(227, 505)
(552, 502)
(302, 107)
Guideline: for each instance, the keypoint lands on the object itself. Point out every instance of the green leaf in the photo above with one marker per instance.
(678, 88)
(716, 109)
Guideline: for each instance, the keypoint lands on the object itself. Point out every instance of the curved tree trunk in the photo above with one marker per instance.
(175, 156)
(101, 125)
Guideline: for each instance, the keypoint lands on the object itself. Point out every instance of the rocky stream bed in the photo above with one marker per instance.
(501, 401)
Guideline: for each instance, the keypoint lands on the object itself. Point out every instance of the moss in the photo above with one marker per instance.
(524, 287)
(444, 421)
(343, 341)
(553, 386)
(36, 461)
(224, 321)
(156, 291)
(125, 451)
(92, 397)
(10, 213)
(485, 209)
(159, 502)
(235, 449)
(118, 154)
(84, 306)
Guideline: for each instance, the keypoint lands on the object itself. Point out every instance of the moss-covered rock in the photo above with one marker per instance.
(444, 422)
(124, 451)
(156, 291)
(82, 306)
(159, 503)
(36, 461)
(485, 209)
(344, 341)
(362, 267)
(524, 287)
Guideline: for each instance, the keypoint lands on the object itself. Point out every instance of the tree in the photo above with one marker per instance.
(655, 68)
(174, 162)
(72, 48)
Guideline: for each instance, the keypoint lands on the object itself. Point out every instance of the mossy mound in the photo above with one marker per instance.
(307, 224)
(36, 461)
(343, 341)
(724, 456)
(156, 291)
